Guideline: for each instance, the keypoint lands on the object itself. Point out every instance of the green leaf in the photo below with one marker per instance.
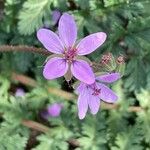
(136, 74)
(131, 139)
(108, 3)
(23, 61)
(93, 133)
(31, 15)
(47, 143)
(144, 99)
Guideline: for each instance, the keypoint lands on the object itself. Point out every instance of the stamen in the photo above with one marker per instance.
(70, 54)
(96, 91)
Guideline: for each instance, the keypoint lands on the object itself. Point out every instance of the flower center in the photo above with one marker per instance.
(70, 54)
(95, 90)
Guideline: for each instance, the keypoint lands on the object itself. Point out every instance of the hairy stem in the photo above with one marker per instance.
(21, 48)
(30, 82)
(35, 125)
(67, 95)
(42, 128)
(25, 48)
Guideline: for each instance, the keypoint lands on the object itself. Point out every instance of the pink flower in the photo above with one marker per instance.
(66, 60)
(53, 110)
(19, 92)
(90, 95)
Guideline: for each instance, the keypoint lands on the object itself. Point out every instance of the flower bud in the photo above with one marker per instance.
(56, 14)
(19, 92)
(53, 110)
(120, 61)
(108, 62)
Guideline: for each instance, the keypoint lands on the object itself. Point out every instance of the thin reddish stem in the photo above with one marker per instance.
(67, 95)
(25, 48)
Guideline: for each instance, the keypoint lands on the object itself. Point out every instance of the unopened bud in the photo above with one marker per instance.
(53, 110)
(120, 61)
(56, 14)
(19, 92)
(108, 62)
(106, 58)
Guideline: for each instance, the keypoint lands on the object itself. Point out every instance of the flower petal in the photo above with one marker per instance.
(91, 43)
(80, 88)
(50, 41)
(82, 71)
(94, 104)
(106, 94)
(54, 68)
(83, 104)
(109, 78)
(56, 14)
(67, 30)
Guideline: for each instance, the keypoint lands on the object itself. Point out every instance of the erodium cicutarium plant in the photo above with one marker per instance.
(68, 60)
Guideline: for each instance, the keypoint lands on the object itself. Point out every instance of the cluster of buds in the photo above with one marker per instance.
(109, 63)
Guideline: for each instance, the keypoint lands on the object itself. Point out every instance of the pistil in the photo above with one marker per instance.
(70, 54)
(95, 90)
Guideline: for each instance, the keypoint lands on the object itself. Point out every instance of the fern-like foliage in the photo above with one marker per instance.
(13, 136)
(130, 139)
(126, 23)
(93, 135)
(30, 17)
(144, 99)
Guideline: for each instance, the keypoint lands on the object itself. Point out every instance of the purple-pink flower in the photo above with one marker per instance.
(53, 110)
(66, 61)
(90, 95)
(56, 14)
(19, 92)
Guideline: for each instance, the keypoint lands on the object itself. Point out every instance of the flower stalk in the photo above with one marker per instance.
(67, 95)
(24, 48)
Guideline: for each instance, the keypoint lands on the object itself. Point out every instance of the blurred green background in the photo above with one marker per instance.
(123, 127)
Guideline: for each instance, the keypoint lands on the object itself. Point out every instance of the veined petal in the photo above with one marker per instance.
(54, 68)
(50, 41)
(83, 103)
(106, 94)
(90, 43)
(80, 88)
(94, 104)
(82, 71)
(109, 78)
(67, 30)
(56, 14)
